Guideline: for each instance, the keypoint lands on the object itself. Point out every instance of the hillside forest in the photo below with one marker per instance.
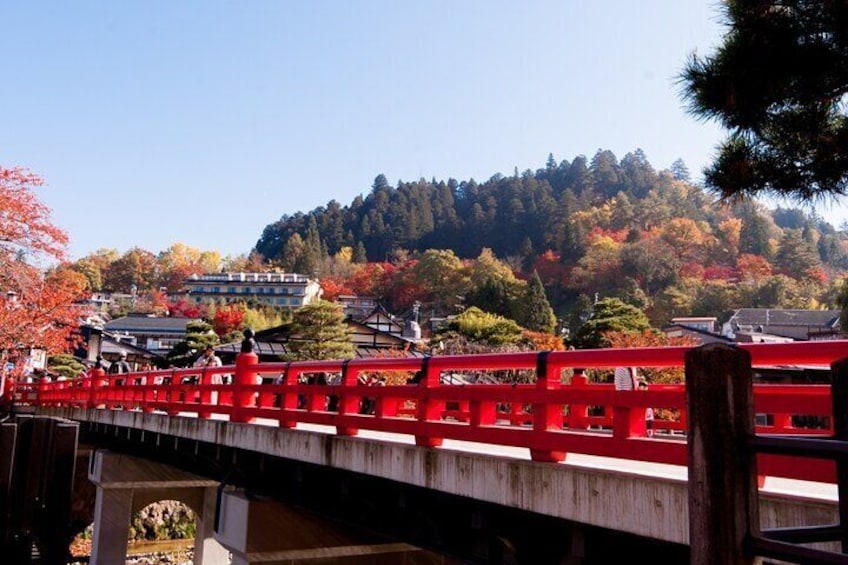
(538, 247)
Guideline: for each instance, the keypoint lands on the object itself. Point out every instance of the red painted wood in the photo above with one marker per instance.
(547, 418)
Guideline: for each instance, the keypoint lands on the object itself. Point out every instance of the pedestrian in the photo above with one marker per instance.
(208, 359)
(625, 378)
(649, 412)
(120, 367)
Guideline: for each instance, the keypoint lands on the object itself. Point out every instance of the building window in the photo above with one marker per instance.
(231, 290)
(282, 301)
(245, 290)
(295, 302)
(216, 289)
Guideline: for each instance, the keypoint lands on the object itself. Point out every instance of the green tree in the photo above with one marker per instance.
(679, 170)
(66, 365)
(318, 332)
(535, 311)
(778, 83)
(609, 315)
(360, 255)
(199, 335)
(440, 274)
(292, 256)
(796, 257)
(481, 327)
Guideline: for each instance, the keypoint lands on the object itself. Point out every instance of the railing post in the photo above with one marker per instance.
(546, 416)
(577, 413)
(288, 400)
(429, 410)
(41, 396)
(95, 381)
(349, 402)
(243, 383)
(839, 400)
(149, 395)
(205, 395)
(723, 504)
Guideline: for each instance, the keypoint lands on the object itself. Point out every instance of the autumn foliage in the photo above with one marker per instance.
(36, 310)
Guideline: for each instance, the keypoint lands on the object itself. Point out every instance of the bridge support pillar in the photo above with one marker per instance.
(112, 513)
(126, 484)
(260, 530)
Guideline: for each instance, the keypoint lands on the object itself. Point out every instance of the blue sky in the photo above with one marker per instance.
(201, 122)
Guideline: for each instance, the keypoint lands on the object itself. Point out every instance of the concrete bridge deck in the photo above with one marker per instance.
(645, 499)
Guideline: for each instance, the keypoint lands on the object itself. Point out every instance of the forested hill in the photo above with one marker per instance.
(523, 214)
(607, 227)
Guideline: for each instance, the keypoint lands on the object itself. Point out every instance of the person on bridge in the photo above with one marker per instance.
(120, 367)
(625, 378)
(209, 359)
(649, 412)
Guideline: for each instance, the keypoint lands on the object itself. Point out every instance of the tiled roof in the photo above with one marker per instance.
(271, 348)
(788, 317)
(148, 324)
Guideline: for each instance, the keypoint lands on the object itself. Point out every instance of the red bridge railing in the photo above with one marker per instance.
(548, 418)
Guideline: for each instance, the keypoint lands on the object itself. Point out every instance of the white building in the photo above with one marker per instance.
(279, 289)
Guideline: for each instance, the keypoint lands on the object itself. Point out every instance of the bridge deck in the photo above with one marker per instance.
(641, 498)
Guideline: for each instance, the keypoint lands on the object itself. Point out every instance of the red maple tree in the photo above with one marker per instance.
(36, 310)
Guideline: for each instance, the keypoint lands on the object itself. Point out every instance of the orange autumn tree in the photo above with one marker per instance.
(652, 338)
(36, 310)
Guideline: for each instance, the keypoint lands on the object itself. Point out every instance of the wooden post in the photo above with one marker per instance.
(577, 413)
(244, 384)
(546, 416)
(429, 409)
(349, 401)
(839, 396)
(723, 505)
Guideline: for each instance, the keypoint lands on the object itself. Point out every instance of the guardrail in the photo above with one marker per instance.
(548, 417)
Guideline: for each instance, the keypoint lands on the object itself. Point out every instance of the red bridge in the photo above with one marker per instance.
(551, 421)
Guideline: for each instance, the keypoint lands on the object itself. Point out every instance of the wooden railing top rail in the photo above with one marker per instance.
(547, 417)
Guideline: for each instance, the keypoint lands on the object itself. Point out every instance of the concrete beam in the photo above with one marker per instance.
(640, 503)
(127, 484)
(261, 530)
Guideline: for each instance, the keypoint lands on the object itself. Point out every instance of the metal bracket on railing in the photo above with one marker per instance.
(542, 365)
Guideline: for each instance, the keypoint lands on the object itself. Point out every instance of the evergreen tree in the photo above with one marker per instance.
(606, 173)
(359, 254)
(608, 315)
(795, 257)
(318, 332)
(579, 313)
(754, 237)
(199, 335)
(292, 255)
(778, 83)
(537, 314)
(680, 171)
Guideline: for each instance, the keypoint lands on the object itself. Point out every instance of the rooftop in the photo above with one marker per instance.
(250, 278)
(148, 323)
(785, 317)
